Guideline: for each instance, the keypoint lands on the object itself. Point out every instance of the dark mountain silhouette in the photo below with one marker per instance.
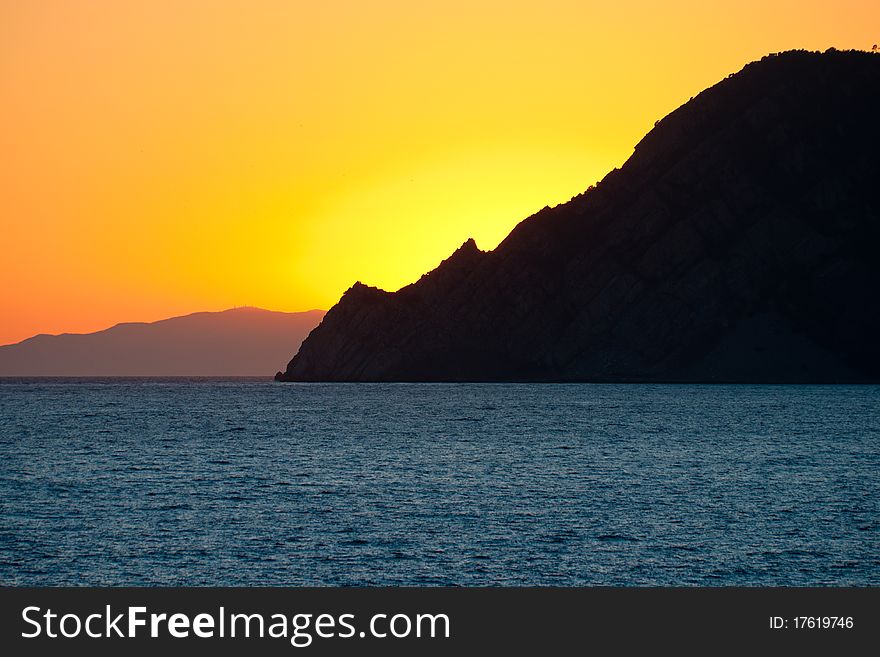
(239, 342)
(738, 243)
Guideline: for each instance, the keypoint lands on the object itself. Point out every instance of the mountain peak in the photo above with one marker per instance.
(464, 256)
(738, 243)
(470, 244)
(235, 342)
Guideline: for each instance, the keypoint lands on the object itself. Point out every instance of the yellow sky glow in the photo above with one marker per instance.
(170, 156)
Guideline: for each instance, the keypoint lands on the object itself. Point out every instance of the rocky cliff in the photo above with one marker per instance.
(738, 243)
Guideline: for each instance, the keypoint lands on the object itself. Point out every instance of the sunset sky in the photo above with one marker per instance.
(163, 157)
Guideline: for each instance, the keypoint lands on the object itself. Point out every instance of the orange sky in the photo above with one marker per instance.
(168, 156)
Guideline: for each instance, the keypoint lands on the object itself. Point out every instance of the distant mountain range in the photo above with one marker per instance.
(740, 242)
(238, 342)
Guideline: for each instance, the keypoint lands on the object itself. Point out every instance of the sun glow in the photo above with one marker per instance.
(165, 157)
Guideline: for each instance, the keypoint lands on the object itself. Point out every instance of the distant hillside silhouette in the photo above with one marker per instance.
(738, 243)
(238, 342)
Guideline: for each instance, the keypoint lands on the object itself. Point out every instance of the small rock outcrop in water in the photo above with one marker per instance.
(738, 243)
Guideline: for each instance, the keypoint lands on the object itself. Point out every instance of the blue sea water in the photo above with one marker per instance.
(249, 482)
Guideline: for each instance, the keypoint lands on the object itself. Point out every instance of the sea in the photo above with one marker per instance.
(247, 482)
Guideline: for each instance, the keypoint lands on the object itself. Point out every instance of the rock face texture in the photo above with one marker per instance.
(238, 342)
(740, 242)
